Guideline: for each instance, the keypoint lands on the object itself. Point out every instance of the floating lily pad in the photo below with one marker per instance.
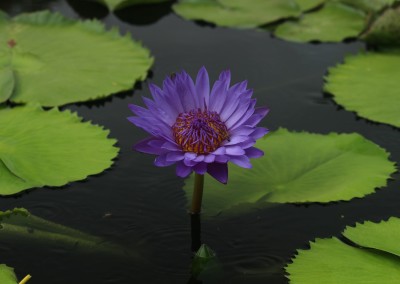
(369, 5)
(19, 225)
(385, 31)
(382, 236)
(49, 148)
(336, 262)
(334, 22)
(368, 83)
(306, 5)
(300, 167)
(120, 4)
(237, 13)
(7, 275)
(56, 61)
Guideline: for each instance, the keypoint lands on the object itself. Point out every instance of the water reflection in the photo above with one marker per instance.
(146, 14)
(140, 15)
(195, 231)
(89, 9)
(13, 7)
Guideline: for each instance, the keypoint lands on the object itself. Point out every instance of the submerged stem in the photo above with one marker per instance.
(26, 278)
(197, 193)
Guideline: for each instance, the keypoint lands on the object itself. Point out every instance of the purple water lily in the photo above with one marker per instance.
(199, 130)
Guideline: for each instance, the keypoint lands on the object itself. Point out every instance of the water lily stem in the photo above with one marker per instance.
(26, 278)
(197, 193)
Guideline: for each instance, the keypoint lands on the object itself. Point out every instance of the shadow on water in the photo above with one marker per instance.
(14, 7)
(88, 9)
(142, 15)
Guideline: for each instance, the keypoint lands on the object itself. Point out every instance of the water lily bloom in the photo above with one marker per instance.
(198, 129)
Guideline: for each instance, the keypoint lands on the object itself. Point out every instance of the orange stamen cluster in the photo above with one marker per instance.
(201, 132)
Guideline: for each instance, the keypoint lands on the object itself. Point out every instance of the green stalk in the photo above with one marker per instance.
(197, 193)
(26, 278)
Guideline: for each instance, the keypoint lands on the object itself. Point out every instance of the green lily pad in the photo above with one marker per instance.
(299, 167)
(56, 60)
(368, 5)
(385, 31)
(49, 148)
(120, 4)
(380, 236)
(7, 275)
(337, 262)
(333, 23)
(306, 5)
(237, 13)
(19, 225)
(368, 83)
(7, 83)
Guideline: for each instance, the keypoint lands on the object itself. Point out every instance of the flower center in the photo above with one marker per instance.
(199, 131)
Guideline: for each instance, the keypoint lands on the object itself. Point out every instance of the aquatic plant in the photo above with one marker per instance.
(198, 129)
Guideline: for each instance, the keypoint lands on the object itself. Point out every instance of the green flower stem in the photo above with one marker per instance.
(26, 279)
(197, 193)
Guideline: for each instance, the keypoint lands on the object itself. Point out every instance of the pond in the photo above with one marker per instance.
(142, 208)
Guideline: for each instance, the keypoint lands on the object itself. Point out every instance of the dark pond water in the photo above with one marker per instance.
(143, 207)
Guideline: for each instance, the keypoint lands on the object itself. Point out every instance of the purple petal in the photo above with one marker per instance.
(229, 107)
(254, 120)
(156, 92)
(165, 118)
(262, 110)
(232, 99)
(145, 147)
(209, 158)
(139, 111)
(185, 92)
(247, 144)
(190, 156)
(164, 103)
(218, 171)
(152, 126)
(199, 158)
(170, 146)
(174, 156)
(203, 87)
(241, 161)
(188, 81)
(259, 114)
(217, 96)
(144, 123)
(259, 132)
(189, 163)
(156, 143)
(234, 151)
(236, 139)
(242, 130)
(182, 170)
(237, 118)
(161, 161)
(200, 168)
(219, 151)
(172, 95)
(254, 152)
(221, 159)
(239, 87)
(225, 77)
